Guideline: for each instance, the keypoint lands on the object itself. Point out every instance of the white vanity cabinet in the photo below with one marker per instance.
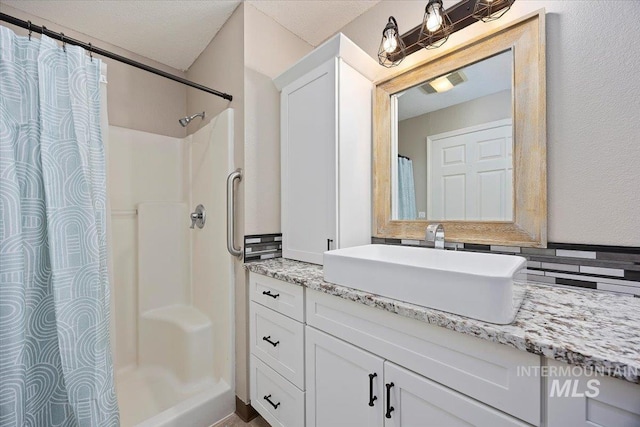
(326, 105)
(276, 334)
(340, 363)
(348, 386)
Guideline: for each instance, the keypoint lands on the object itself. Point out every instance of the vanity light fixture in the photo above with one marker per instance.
(490, 10)
(436, 26)
(392, 48)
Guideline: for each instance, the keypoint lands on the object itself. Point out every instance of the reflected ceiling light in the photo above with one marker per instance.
(392, 49)
(436, 26)
(490, 10)
(444, 83)
(441, 84)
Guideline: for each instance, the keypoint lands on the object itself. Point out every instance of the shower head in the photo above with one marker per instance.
(185, 120)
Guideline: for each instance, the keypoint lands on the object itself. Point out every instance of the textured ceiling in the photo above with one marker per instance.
(175, 32)
(313, 21)
(171, 32)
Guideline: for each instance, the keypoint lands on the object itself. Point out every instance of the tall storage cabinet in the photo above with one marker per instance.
(326, 144)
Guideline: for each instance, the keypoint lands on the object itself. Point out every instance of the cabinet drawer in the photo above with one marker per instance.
(415, 399)
(280, 296)
(279, 342)
(481, 369)
(276, 399)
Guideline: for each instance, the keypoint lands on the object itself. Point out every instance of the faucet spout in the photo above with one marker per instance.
(435, 234)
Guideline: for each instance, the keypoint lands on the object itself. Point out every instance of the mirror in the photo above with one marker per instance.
(453, 140)
(461, 140)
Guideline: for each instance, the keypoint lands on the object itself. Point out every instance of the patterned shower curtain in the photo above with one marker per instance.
(55, 357)
(406, 190)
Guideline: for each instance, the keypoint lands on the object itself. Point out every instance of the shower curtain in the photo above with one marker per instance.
(406, 190)
(55, 360)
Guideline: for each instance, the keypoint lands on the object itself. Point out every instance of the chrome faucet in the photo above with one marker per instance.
(435, 234)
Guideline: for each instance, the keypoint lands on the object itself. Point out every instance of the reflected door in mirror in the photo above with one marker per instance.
(470, 174)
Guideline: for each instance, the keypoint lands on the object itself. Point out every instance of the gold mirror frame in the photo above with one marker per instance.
(526, 37)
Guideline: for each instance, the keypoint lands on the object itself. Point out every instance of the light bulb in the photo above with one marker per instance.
(390, 43)
(434, 20)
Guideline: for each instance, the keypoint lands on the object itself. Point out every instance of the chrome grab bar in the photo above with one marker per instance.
(231, 209)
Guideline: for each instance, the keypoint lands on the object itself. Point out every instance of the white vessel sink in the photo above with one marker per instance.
(477, 285)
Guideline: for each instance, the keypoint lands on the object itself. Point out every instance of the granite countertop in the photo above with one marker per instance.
(591, 329)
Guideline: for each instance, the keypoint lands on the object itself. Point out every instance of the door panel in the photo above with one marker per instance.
(419, 402)
(338, 383)
(308, 164)
(470, 174)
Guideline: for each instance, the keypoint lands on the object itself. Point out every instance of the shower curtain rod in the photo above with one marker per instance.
(96, 50)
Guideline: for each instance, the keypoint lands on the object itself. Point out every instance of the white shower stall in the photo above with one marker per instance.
(172, 335)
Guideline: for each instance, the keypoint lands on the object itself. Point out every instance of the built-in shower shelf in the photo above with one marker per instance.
(124, 212)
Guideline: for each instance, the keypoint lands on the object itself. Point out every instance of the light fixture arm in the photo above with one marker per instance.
(391, 24)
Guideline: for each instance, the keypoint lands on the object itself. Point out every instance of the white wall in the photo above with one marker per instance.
(262, 62)
(270, 49)
(142, 167)
(137, 99)
(242, 59)
(593, 108)
(413, 132)
(221, 65)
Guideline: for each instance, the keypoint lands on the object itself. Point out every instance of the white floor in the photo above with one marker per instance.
(146, 393)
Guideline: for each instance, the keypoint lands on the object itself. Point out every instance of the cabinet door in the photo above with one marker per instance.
(339, 388)
(308, 154)
(415, 401)
(589, 399)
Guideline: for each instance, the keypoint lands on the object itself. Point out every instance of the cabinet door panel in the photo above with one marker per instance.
(419, 402)
(590, 400)
(338, 383)
(276, 399)
(279, 342)
(309, 137)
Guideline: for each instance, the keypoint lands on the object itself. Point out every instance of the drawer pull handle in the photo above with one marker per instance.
(269, 294)
(267, 339)
(389, 407)
(275, 405)
(372, 398)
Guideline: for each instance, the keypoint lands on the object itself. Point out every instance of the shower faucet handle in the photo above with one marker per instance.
(199, 217)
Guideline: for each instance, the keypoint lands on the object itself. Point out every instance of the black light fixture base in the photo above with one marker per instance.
(461, 14)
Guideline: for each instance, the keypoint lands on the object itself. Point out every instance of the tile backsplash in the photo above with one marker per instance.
(262, 246)
(606, 268)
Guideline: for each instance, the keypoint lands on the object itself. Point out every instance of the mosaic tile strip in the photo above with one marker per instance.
(605, 268)
(259, 247)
